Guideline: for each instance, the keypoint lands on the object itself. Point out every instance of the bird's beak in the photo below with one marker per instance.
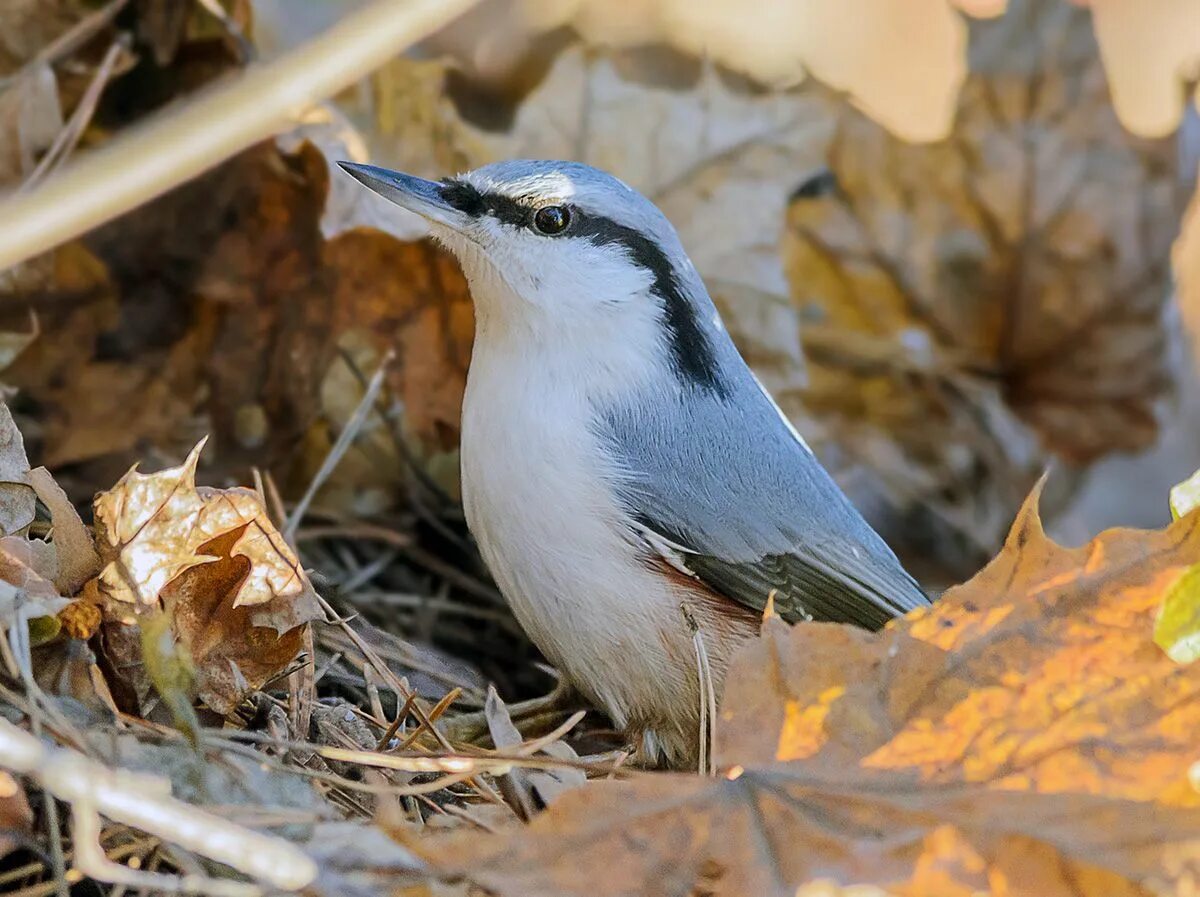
(409, 192)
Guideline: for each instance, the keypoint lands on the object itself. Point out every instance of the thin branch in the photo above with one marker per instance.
(345, 439)
(144, 802)
(177, 145)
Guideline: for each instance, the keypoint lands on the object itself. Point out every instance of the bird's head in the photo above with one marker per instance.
(566, 249)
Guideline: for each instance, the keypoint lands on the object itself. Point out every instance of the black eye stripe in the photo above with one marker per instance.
(691, 347)
(472, 201)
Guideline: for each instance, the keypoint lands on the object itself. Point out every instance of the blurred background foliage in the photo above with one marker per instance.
(947, 255)
(959, 240)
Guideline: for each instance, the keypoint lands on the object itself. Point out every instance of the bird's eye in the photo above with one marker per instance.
(551, 220)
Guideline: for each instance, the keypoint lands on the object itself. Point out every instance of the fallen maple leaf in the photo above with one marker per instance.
(234, 590)
(1023, 737)
(978, 305)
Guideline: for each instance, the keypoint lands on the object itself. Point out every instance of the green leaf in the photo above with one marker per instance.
(1177, 630)
(170, 671)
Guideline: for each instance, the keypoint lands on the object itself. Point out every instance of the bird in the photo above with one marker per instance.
(632, 487)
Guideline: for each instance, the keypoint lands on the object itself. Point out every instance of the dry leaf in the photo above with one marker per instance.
(16, 817)
(1024, 737)
(1151, 52)
(976, 305)
(233, 589)
(414, 298)
(17, 498)
(150, 528)
(25, 594)
(207, 310)
(75, 551)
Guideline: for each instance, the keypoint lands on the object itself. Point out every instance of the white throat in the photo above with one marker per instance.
(597, 350)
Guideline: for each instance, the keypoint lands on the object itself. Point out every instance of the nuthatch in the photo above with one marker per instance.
(623, 470)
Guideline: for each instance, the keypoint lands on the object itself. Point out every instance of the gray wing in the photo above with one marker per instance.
(725, 488)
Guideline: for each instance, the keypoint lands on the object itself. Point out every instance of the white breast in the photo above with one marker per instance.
(554, 538)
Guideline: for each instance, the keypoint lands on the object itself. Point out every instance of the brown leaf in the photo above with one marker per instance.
(17, 498)
(413, 297)
(1026, 253)
(1039, 674)
(150, 528)
(16, 817)
(75, 551)
(25, 594)
(233, 588)
(207, 310)
(1023, 737)
(233, 646)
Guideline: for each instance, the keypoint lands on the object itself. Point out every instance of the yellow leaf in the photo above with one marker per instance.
(1177, 629)
(1022, 737)
(1185, 497)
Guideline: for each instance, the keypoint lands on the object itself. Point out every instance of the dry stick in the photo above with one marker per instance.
(68, 138)
(402, 692)
(177, 145)
(145, 802)
(77, 35)
(708, 701)
(340, 447)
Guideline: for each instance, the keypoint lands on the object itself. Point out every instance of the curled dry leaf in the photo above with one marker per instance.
(234, 590)
(74, 549)
(1025, 730)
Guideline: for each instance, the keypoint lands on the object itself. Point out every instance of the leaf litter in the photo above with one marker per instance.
(983, 747)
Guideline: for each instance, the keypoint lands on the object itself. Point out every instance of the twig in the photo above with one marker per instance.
(68, 138)
(708, 699)
(145, 802)
(78, 35)
(177, 145)
(340, 446)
